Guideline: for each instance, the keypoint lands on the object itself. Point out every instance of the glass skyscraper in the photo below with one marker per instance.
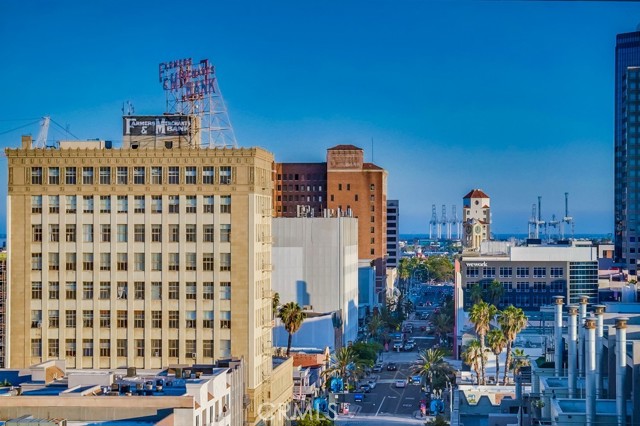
(627, 151)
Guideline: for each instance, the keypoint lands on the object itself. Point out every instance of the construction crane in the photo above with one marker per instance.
(433, 223)
(567, 219)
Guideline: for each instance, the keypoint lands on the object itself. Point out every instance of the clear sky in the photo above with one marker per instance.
(512, 97)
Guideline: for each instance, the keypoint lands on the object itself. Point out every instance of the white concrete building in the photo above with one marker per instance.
(316, 265)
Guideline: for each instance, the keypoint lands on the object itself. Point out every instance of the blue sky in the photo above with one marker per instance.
(512, 97)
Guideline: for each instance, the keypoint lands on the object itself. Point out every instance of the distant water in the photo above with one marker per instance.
(505, 237)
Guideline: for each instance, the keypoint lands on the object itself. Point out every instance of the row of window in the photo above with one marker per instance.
(308, 198)
(521, 272)
(122, 204)
(524, 285)
(299, 188)
(296, 176)
(138, 175)
(122, 262)
(105, 345)
(103, 289)
(140, 233)
(172, 319)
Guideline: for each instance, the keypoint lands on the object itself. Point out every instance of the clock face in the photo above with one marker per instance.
(468, 228)
(477, 229)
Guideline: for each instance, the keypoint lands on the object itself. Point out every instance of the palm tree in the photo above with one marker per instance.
(473, 355)
(495, 292)
(432, 367)
(481, 315)
(520, 359)
(375, 325)
(512, 320)
(475, 293)
(275, 303)
(443, 324)
(292, 317)
(345, 364)
(497, 342)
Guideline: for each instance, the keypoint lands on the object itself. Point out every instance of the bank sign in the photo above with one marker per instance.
(163, 125)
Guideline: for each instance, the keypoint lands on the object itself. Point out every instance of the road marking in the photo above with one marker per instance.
(392, 397)
(379, 407)
(410, 397)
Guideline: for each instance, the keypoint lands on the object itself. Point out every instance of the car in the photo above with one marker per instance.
(372, 384)
(416, 379)
(392, 366)
(377, 368)
(358, 397)
(401, 383)
(397, 344)
(364, 387)
(408, 346)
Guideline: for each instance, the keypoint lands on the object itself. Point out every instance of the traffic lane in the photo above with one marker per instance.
(401, 401)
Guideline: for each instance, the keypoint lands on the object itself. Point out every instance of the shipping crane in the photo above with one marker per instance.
(433, 223)
(567, 219)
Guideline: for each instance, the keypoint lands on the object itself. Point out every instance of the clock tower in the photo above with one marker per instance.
(476, 219)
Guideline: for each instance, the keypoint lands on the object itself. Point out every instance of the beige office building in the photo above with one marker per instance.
(149, 255)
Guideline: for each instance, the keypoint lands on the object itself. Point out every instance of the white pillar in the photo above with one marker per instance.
(573, 348)
(621, 369)
(590, 370)
(581, 340)
(558, 336)
(599, 311)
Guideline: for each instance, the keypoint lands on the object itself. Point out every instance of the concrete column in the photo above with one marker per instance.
(581, 341)
(590, 369)
(621, 369)
(599, 312)
(573, 349)
(558, 336)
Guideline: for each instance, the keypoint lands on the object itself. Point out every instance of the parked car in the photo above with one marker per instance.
(372, 384)
(358, 397)
(416, 379)
(392, 366)
(365, 387)
(397, 345)
(401, 383)
(408, 346)
(377, 368)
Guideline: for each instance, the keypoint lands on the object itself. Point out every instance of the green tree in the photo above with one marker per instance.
(473, 356)
(476, 293)
(438, 421)
(367, 352)
(345, 364)
(442, 324)
(433, 368)
(275, 303)
(481, 315)
(313, 418)
(495, 292)
(497, 342)
(520, 359)
(512, 320)
(292, 316)
(374, 326)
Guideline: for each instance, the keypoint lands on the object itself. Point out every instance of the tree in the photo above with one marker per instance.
(292, 317)
(512, 320)
(497, 342)
(433, 368)
(438, 421)
(275, 303)
(345, 364)
(481, 315)
(475, 293)
(520, 359)
(495, 292)
(313, 418)
(374, 326)
(367, 352)
(443, 324)
(473, 355)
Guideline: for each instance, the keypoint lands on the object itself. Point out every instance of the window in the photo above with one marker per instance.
(122, 176)
(87, 233)
(138, 319)
(54, 290)
(70, 290)
(156, 347)
(489, 272)
(36, 176)
(556, 272)
(138, 204)
(190, 261)
(174, 319)
(71, 204)
(225, 204)
(122, 263)
(539, 272)
(36, 290)
(190, 348)
(70, 318)
(372, 251)
(105, 233)
(70, 175)
(71, 348)
(225, 261)
(156, 290)
(36, 233)
(36, 261)
(121, 346)
(71, 262)
(87, 175)
(506, 272)
(190, 175)
(36, 319)
(207, 202)
(190, 233)
(372, 187)
(225, 348)
(190, 317)
(473, 272)
(208, 261)
(105, 319)
(87, 319)
(54, 318)
(54, 233)
(339, 187)
(105, 204)
(87, 347)
(156, 233)
(122, 319)
(54, 204)
(138, 175)
(174, 233)
(173, 348)
(225, 319)
(207, 175)
(207, 321)
(522, 272)
(138, 233)
(139, 345)
(225, 233)
(54, 176)
(191, 204)
(138, 261)
(174, 175)
(53, 348)
(191, 291)
(207, 291)
(174, 204)
(207, 236)
(105, 261)
(122, 232)
(87, 203)
(105, 290)
(207, 350)
(225, 175)
(87, 261)
(174, 261)
(373, 219)
(174, 290)
(123, 204)
(36, 204)
(225, 291)
(36, 347)
(156, 319)
(105, 175)
(156, 261)
(87, 290)
(138, 290)
(70, 233)
(54, 261)
(156, 204)
(156, 175)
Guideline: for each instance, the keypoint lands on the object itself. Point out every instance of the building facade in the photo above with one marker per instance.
(3, 306)
(393, 233)
(140, 257)
(476, 219)
(627, 151)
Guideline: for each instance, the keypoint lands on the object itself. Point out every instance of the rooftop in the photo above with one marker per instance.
(345, 148)
(476, 193)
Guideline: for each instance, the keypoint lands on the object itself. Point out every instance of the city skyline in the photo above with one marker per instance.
(515, 98)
